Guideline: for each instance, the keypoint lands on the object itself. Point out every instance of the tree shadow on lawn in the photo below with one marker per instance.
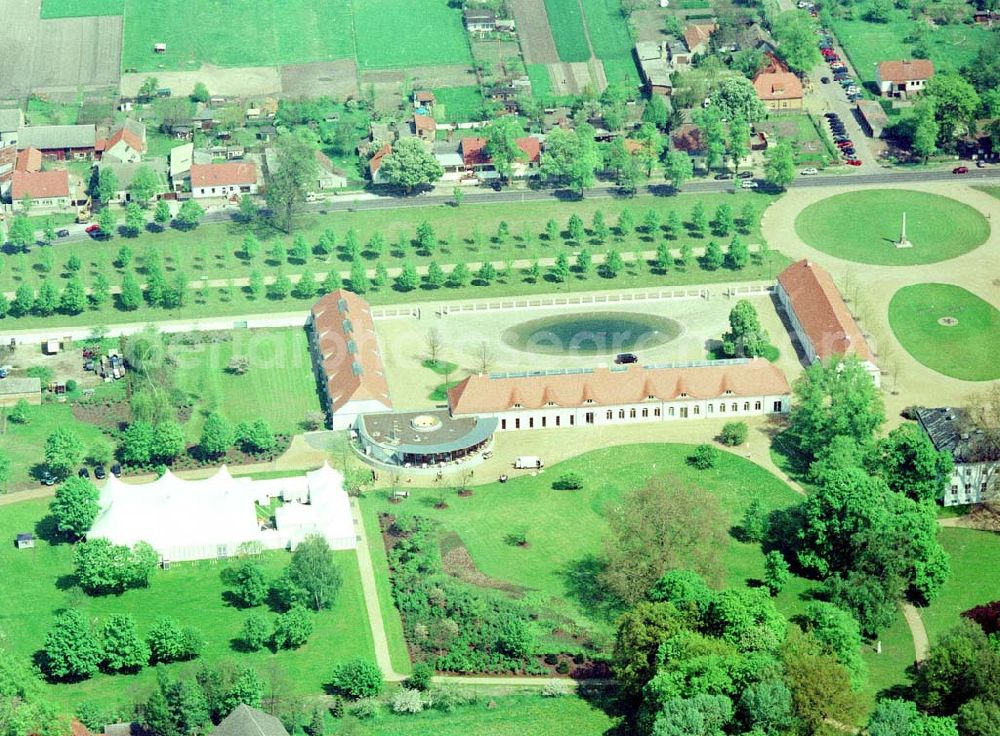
(583, 585)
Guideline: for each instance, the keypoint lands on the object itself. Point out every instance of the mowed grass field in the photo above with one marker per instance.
(566, 22)
(79, 8)
(461, 104)
(967, 350)
(236, 32)
(404, 33)
(975, 558)
(863, 226)
(192, 593)
(609, 35)
(951, 46)
(565, 529)
(279, 387)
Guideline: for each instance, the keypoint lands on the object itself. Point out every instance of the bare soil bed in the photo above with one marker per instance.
(244, 81)
(537, 43)
(337, 79)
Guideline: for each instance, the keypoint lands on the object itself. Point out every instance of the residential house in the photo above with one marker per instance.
(125, 173)
(347, 358)
(375, 164)
(477, 159)
(779, 90)
(872, 118)
(126, 143)
(977, 460)
(654, 67)
(11, 122)
(247, 721)
(902, 78)
(820, 319)
(450, 160)
(480, 20)
(29, 160)
(180, 160)
(424, 127)
(424, 99)
(698, 35)
(328, 176)
(223, 180)
(49, 191)
(688, 138)
(60, 142)
(13, 390)
(8, 161)
(623, 395)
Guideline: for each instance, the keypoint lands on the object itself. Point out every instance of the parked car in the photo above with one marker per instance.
(47, 479)
(960, 170)
(723, 176)
(99, 472)
(811, 171)
(854, 162)
(745, 175)
(64, 233)
(824, 80)
(980, 164)
(116, 470)
(83, 473)
(831, 115)
(845, 144)
(749, 184)
(93, 230)
(626, 358)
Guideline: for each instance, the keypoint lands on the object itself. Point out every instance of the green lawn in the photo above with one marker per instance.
(967, 350)
(458, 104)
(565, 528)
(866, 44)
(214, 250)
(191, 593)
(236, 33)
(407, 33)
(279, 387)
(78, 8)
(24, 443)
(541, 84)
(975, 558)
(566, 23)
(863, 226)
(515, 715)
(993, 191)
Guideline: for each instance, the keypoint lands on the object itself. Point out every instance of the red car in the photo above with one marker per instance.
(845, 144)
(854, 162)
(91, 229)
(960, 170)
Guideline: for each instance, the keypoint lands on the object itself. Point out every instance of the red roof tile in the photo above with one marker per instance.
(29, 160)
(352, 363)
(40, 184)
(234, 173)
(424, 122)
(532, 147)
(482, 394)
(822, 312)
(375, 162)
(905, 71)
(778, 86)
(474, 151)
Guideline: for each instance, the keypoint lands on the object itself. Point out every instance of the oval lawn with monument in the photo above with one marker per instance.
(867, 227)
(592, 333)
(948, 329)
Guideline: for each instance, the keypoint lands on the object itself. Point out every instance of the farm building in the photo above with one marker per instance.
(13, 390)
(872, 118)
(223, 180)
(654, 67)
(422, 438)
(25, 540)
(215, 517)
(623, 395)
(347, 358)
(29, 160)
(60, 142)
(11, 121)
(125, 173)
(976, 459)
(819, 317)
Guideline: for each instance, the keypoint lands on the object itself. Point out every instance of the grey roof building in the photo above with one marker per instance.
(976, 456)
(57, 137)
(247, 721)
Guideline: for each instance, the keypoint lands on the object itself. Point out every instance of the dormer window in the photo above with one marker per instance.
(589, 401)
(684, 394)
(550, 403)
(729, 392)
(650, 397)
(517, 405)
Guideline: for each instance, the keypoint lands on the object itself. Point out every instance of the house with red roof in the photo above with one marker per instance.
(48, 191)
(375, 163)
(29, 160)
(223, 180)
(779, 90)
(126, 144)
(903, 78)
(476, 156)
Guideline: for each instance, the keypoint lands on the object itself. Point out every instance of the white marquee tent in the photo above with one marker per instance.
(213, 517)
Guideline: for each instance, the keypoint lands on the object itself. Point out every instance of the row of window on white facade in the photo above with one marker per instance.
(644, 413)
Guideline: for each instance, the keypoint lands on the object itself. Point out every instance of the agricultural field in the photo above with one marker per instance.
(609, 35)
(399, 34)
(236, 33)
(80, 8)
(192, 593)
(948, 329)
(866, 44)
(279, 386)
(566, 22)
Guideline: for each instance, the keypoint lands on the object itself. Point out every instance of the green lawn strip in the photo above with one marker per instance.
(399, 654)
(220, 244)
(512, 715)
(215, 303)
(612, 42)
(280, 385)
(565, 528)
(966, 350)
(566, 23)
(190, 593)
(24, 443)
(80, 8)
(992, 190)
(541, 84)
(458, 104)
(621, 70)
(407, 33)
(866, 44)
(864, 226)
(262, 32)
(975, 558)
(888, 670)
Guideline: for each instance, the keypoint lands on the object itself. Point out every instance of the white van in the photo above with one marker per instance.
(528, 461)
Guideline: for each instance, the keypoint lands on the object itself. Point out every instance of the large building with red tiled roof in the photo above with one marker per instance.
(47, 190)
(819, 317)
(126, 143)
(619, 395)
(901, 78)
(476, 156)
(223, 180)
(779, 90)
(347, 358)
